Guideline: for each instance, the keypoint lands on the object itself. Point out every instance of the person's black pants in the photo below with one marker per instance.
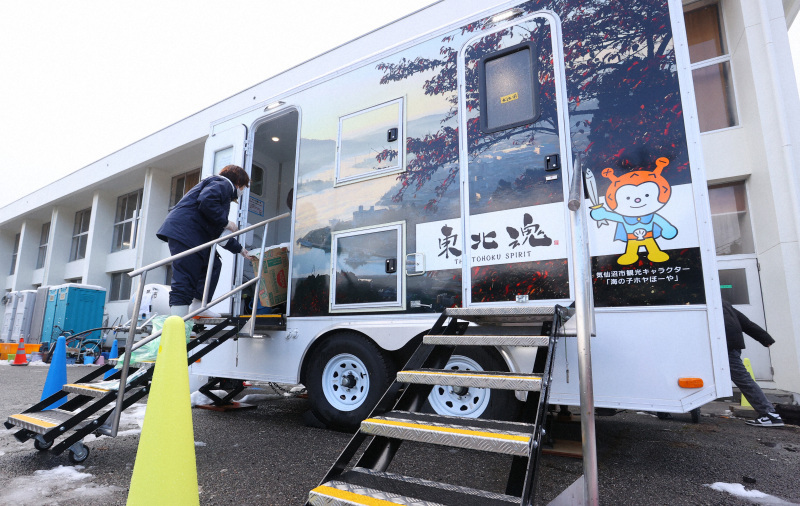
(189, 274)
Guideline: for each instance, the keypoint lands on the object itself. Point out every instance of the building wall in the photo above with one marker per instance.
(763, 151)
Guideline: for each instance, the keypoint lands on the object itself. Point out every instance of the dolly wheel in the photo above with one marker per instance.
(42, 445)
(79, 455)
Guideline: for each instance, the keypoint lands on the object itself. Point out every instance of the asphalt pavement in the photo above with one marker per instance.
(267, 456)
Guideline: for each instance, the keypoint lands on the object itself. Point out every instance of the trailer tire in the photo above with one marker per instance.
(477, 402)
(347, 375)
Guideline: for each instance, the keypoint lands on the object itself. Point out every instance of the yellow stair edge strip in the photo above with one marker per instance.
(468, 375)
(34, 421)
(87, 387)
(450, 430)
(351, 496)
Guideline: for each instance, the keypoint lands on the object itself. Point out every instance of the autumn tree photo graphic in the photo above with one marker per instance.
(622, 90)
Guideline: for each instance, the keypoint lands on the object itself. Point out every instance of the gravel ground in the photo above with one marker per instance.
(268, 456)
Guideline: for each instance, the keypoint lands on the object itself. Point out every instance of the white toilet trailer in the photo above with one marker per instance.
(426, 165)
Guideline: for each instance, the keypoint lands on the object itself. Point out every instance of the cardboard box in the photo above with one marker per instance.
(274, 276)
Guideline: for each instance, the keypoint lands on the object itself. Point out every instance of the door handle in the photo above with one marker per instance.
(391, 265)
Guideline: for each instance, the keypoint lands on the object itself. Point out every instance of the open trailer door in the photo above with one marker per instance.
(223, 148)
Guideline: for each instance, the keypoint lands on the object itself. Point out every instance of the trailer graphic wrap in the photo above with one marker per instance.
(624, 113)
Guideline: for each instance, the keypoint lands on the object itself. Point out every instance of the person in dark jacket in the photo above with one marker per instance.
(199, 217)
(737, 324)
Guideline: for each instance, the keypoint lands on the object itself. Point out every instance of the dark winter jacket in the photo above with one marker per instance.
(736, 323)
(202, 214)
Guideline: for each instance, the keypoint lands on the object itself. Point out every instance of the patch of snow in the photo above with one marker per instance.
(199, 443)
(54, 486)
(256, 398)
(737, 489)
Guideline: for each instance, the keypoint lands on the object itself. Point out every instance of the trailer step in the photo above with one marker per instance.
(510, 438)
(478, 379)
(42, 421)
(470, 340)
(86, 389)
(361, 486)
(502, 315)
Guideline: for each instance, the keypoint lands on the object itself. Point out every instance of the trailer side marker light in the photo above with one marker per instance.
(509, 14)
(690, 382)
(274, 105)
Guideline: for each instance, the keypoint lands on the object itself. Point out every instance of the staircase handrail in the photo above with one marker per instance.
(142, 274)
(584, 317)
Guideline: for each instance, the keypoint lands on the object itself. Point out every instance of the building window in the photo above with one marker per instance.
(14, 256)
(126, 221)
(76, 281)
(80, 234)
(182, 184)
(43, 245)
(730, 219)
(711, 68)
(120, 286)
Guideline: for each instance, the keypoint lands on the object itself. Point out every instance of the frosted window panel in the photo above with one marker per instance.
(222, 158)
(364, 136)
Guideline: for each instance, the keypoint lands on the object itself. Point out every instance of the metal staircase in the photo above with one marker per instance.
(397, 416)
(89, 404)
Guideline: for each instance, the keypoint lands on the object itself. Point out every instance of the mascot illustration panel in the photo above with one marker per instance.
(634, 199)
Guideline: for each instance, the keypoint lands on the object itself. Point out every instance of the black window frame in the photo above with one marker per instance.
(531, 47)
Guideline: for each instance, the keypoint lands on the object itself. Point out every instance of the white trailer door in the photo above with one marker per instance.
(225, 148)
(513, 111)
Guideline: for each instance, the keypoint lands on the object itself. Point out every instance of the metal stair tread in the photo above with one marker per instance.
(501, 315)
(511, 438)
(366, 486)
(144, 363)
(42, 421)
(478, 379)
(86, 389)
(486, 340)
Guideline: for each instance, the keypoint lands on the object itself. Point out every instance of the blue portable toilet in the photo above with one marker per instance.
(73, 307)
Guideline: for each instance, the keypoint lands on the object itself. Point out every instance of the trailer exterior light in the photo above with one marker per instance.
(275, 139)
(509, 14)
(274, 105)
(690, 382)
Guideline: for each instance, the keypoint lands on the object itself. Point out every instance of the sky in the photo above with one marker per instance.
(84, 78)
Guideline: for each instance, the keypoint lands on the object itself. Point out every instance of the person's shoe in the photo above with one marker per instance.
(196, 304)
(770, 420)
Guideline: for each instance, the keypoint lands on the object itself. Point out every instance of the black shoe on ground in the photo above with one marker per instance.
(770, 420)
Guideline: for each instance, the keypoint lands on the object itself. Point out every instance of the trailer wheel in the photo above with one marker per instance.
(346, 377)
(473, 402)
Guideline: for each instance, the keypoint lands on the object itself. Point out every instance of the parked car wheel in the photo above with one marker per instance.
(347, 375)
(474, 402)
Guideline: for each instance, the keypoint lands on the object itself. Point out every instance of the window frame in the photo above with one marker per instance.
(44, 239)
(401, 145)
(746, 188)
(120, 277)
(399, 303)
(78, 234)
(482, 93)
(724, 59)
(173, 183)
(15, 254)
(133, 220)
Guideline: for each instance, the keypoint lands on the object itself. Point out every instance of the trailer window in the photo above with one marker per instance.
(366, 264)
(508, 88)
(371, 143)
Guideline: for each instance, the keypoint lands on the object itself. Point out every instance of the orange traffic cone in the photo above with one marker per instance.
(20, 358)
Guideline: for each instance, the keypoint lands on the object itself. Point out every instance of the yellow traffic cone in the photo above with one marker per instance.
(749, 367)
(165, 471)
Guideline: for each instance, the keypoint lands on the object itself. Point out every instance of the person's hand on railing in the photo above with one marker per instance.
(231, 226)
